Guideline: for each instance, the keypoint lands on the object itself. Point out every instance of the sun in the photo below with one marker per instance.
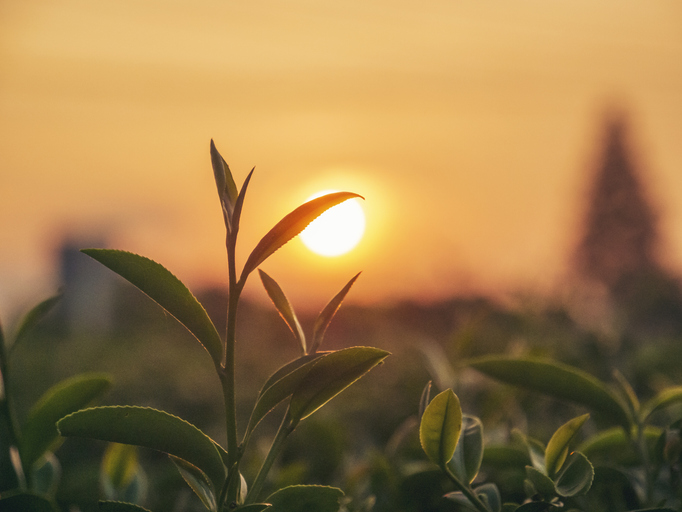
(336, 231)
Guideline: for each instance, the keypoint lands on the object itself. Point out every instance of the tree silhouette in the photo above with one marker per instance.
(620, 245)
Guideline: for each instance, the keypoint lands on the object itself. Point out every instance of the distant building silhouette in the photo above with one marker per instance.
(620, 244)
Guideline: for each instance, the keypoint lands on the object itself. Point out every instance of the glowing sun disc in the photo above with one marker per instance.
(336, 231)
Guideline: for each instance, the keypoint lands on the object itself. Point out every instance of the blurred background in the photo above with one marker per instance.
(520, 161)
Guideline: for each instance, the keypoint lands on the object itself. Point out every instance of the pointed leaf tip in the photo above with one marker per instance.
(325, 317)
(284, 307)
(290, 226)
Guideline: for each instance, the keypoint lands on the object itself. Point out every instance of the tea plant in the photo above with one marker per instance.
(29, 470)
(308, 382)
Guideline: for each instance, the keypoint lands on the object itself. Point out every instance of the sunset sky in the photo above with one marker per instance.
(470, 127)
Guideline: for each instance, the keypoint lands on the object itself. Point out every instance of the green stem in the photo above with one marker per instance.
(465, 489)
(644, 455)
(286, 428)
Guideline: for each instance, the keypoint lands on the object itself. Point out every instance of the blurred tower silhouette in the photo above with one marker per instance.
(620, 245)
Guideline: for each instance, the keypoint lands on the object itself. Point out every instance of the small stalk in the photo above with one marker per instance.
(286, 428)
(466, 490)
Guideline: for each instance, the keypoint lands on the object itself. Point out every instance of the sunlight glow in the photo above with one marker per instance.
(336, 231)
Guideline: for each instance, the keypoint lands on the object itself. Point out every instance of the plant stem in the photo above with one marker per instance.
(286, 428)
(465, 489)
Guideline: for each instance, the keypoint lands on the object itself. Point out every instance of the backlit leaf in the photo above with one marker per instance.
(468, 455)
(227, 189)
(290, 226)
(440, 427)
(557, 448)
(142, 426)
(284, 308)
(306, 498)
(33, 317)
(280, 386)
(333, 373)
(575, 477)
(325, 317)
(39, 433)
(167, 291)
(665, 398)
(557, 380)
(198, 482)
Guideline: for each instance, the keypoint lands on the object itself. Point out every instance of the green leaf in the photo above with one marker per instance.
(142, 426)
(665, 398)
(536, 450)
(33, 317)
(227, 189)
(253, 507)
(167, 291)
(306, 498)
(198, 482)
(468, 455)
(39, 433)
(541, 482)
(575, 477)
(325, 317)
(46, 476)
(237, 214)
(440, 427)
(280, 386)
(119, 506)
(557, 448)
(26, 502)
(283, 307)
(557, 380)
(501, 457)
(615, 446)
(332, 373)
(425, 399)
(290, 226)
(628, 393)
(490, 495)
(119, 465)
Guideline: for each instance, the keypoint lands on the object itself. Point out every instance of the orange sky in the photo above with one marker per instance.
(468, 126)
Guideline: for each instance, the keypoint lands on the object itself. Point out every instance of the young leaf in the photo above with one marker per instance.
(325, 317)
(33, 317)
(306, 498)
(39, 433)
(542, 483)
(425, 399)
(440, 427)
(290, 226)
(628, 393)
(119, 506)
(575, 477)
(665, 398)
(284, 308)
(198, 482)
(557, 448)
(280, 386)
(468, 456)
(237, 214)
(166, 290)
(227, 189)
(558, 380)
(142, 426)
(329, 376)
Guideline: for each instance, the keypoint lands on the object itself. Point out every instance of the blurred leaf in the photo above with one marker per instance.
(628, 393)
(325, 317)
(440, 427)
(119, 464)
(39, 433)
(280, 386)
(167, 291)
(501, 457)
(227, 189)
(253, 507)
(557, 448)
(332, 373)
(536, 450)
(46, 476)
(575, 477)
(534, 506)
(119, 506)
(665, 398)
(616, 446)
(558, 380)
(142, 426)
(26, 502)
(198, 481)
(468, 455)
(425, 399)
(284, 308)
(290, 226)
(33, 317)
(541, 482)
(306, 498)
